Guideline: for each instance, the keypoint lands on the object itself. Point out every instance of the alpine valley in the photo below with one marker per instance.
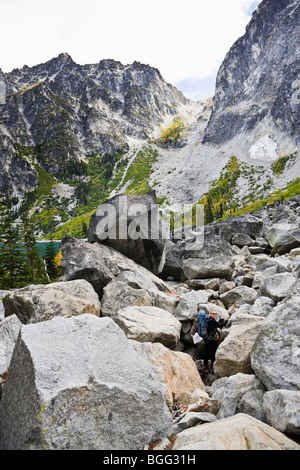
(97, 345)
(71, 135)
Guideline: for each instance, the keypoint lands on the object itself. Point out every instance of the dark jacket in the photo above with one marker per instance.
(213, 325)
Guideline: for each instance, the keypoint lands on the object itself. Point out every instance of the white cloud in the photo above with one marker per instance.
(181, 38)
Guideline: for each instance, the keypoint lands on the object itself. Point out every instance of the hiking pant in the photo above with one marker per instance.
(210, 352)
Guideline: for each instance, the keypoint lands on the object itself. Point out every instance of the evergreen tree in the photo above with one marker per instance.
(20, 263)
(34, 268)
(85, 230)
(11, 256)
(49, 260)
(208, 211)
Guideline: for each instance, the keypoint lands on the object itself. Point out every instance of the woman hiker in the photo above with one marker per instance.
(213, 338)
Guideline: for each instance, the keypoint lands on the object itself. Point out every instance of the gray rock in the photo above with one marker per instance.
(251, 404)
(240, 393)
(276, 231)
(296, 266)
(262, 242)
(233, 354)
(282, 408)
(246, 224)
(281, 212)
(166, 301)
(210, 306)
(177, 371)
(262, 306)
(275, 353)
(260, 262)
(238, 314)
(99, 264)
(66, 390)
(242, 239)
(294, 291)
(271, 271)
(248, 279)
(239, 295)
(36, 303)
(9, 331)
(287, 242)
(136, 280)
(149, 324)
(277, 286)
(221, 267)
(238, 432)
(176, 253)
(254, 250)
(258, 280)
(142, 241)
(283, 263)
(188, 305)
(210, 284)
(3, 294)
(117, 295)
(1, 310)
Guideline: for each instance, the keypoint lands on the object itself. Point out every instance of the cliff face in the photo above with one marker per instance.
(254, 117)
(257, 82)
(65, 111)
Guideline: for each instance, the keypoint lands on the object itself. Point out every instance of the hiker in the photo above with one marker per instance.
(207, 327)
(212, 339)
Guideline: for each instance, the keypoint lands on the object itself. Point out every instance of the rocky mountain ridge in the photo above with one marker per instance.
(63, 112)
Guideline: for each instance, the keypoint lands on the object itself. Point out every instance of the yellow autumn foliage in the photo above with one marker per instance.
(172, 133)
(57, 259)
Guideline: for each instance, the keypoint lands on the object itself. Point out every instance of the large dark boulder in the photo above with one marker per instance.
(246, 224)
(133, 226)
(287, 242)
(181, 250)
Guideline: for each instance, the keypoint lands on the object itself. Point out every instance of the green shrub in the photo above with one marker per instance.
(279, 165)
(139, 171)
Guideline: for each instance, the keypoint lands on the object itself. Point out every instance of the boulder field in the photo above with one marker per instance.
(103, 359)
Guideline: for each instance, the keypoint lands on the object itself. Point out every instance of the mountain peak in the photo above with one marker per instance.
(145, 67)
(63, 58)
(109, 64)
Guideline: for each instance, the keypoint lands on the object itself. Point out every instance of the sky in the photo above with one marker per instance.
(185, 40)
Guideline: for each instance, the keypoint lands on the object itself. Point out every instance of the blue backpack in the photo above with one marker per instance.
(202, 328)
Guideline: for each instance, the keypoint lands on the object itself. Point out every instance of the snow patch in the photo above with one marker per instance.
(264, 149)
